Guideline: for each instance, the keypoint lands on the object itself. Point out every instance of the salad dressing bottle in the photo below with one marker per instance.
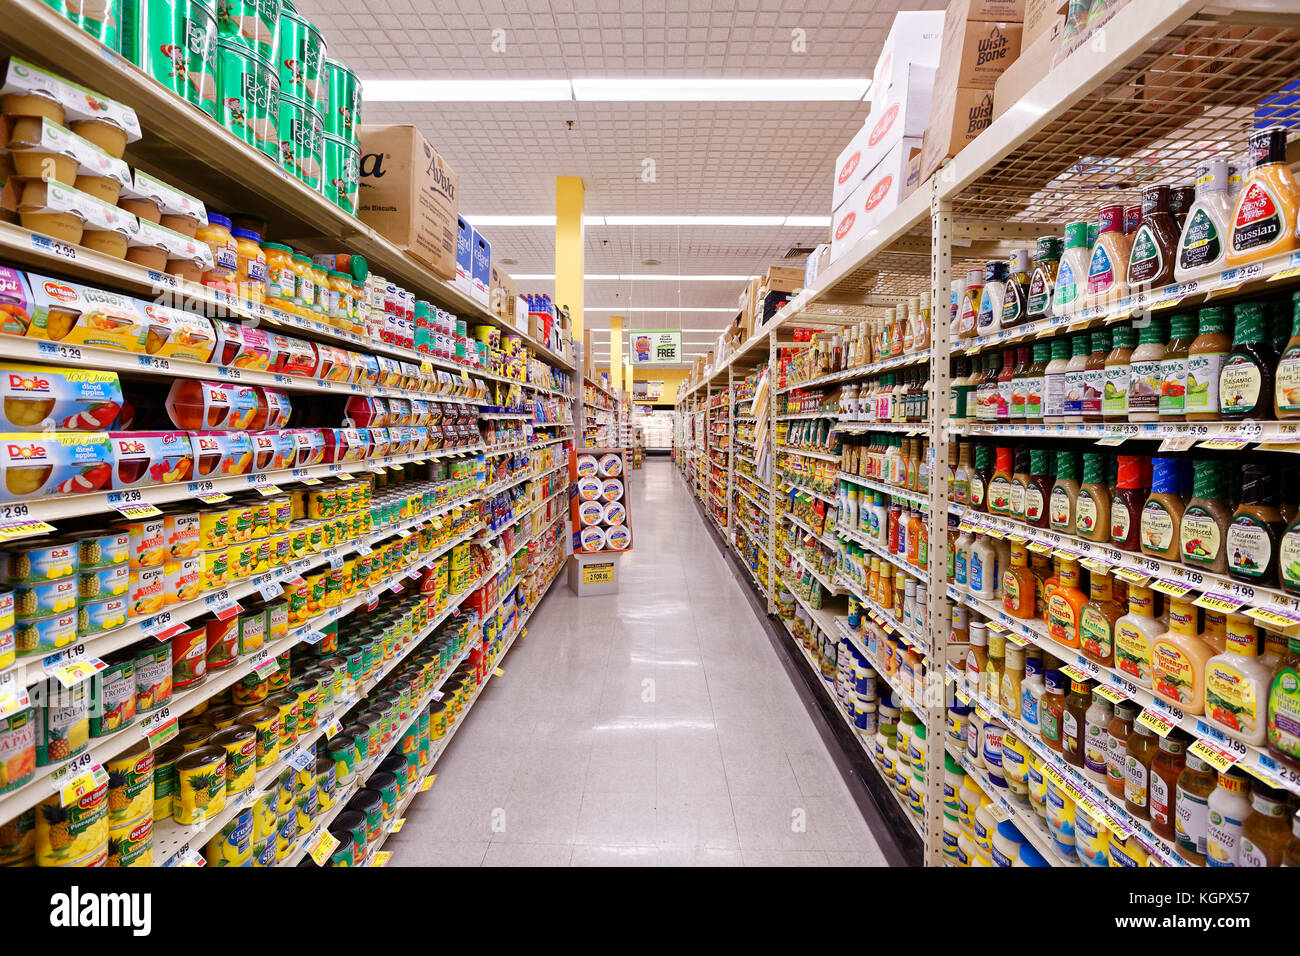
(969, 306)
(1256, 529)
(1092, 508)
(1237, 684)
(1282, 722)
(1054, 382)
(1246, 380)
(1286, 391)
(1097, 622)
(1126, 503)
(1038, 489)
(1108, 261)
(1151, 260)
(1178, 660)
(1094, 376)
(1162, 514)
(989, 317)
(1042, 280)
(1114, 395)
(1019, 483)
(1264, 214)
(1018, 585)
(1146, 373)
(1205, 358)
(1015, 296)
(1065, 492)
(1173, 368)
(1065, 605)
(1075, 373)
(1203, 241)
(1135, 635)
(1071, 284)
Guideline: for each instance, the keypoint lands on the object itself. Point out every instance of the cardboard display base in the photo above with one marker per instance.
(591, 574)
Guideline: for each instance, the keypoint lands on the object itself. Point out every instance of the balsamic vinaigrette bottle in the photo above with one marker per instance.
(1256, 529)
(1246, 379)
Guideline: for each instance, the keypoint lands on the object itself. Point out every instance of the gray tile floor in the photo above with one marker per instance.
(652, 727)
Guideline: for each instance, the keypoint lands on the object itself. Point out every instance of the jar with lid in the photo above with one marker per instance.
(304, 271)
(1096, 729)
(225, 254)
(338, 307)
(320, 282)
(280, 281)
(251, 270)
(1229, 806)
(1266, 832)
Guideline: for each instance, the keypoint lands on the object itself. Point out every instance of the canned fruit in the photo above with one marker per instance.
(201, 785)
(18, 838)
(240, 744)
(130, 785)
(45, 634)
(148, 548)
(265, 721)
(233, 846)
(189, 657)
(214, 528)
(108, 581)
(182, 580)
(112, 692)
(247, 97)
(147, 592)
(153, 676)
(130, 844)
(33, 563)
(17, 751)
(66, 835)
(45, 598)
(223, 643)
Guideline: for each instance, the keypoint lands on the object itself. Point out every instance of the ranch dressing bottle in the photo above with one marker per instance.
(1072, 273)
(1228, 808)
(1202, 244)
(992, 299)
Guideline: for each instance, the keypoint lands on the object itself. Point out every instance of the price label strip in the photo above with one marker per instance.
(1218, 601)
(1225, 444)
(13, 693)
(322, 847)
(77, 778)
(1156, 721)
(1278, 618)
(1172, 588)
(74, 672)
(214, 498)
(138, 512)
(13, 530)
(1217, 757)
(428, 782)
(160, 727)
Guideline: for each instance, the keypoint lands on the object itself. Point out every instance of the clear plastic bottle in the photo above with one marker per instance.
(1229, 806)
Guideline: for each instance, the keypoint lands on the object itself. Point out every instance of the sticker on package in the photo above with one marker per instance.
(611, 466)
(589, 488)
(590, 513)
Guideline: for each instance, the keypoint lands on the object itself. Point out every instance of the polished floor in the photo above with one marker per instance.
(652, 727)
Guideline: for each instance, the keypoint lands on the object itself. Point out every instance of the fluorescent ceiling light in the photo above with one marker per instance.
(718, 89)
(534, 90)
(646, 308)
(634, 277)
(809, 221)
(595, 221)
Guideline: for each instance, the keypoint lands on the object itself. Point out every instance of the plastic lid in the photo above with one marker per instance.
(952, 766)
(1182, 326)
(1047, 248)
(341, 275)
(1042, 351)
(1019, 260)
(1122, 337)
(1009, 831)
(1213, 319)
(1060, 348)
(1101, 341)
(1006, 460)
(1130, 471)
(983, 456)
(1093, 464)
(1038, 463)
(1067, 465)
(1053, 680)
(215, 218)
(1153, 333)
(1249, 323)
(246, 234)
(1076, 235)
(1206, 479)
(275, 245)
(1031, 857)
(1155, 199)
(302, 257)
(1166, 476)
(1079, 345)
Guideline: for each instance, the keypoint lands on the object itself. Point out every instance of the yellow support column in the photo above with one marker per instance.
(630, 373)
(616, 352)
(569, 197)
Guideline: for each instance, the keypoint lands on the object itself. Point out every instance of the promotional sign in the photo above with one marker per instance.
(647, 391)
(655, 346)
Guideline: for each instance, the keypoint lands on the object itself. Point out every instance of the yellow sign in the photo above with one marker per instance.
(602, 573)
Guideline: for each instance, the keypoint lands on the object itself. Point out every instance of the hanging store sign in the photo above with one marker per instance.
(655, 346)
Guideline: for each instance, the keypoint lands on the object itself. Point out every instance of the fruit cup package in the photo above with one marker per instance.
(40, 465)
(380, 442)
(273, 409)
(150, 458)
(39, 397)
(242, 346)
(292, 356)
(174, 333)
(213, 405)
(15, 302)
(310, 446)
(419, 412)
(78, 315)
(363, 411)
(176, 210)
(43, 149)
(399, 412)
(154, 246)
(332, 364)
(344, 444)
(78, 104)
(368, 373)
(221, 454)
(390, 371)
(76, 217)
(272, 450)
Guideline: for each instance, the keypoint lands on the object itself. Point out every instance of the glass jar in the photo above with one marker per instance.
(305, 275)
(281, 282)
(251, 272)
(225, 254)
(339, 303)
(321, 281)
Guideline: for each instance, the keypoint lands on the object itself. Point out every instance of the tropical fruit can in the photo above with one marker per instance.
(153, 676)
(130, 843)
(112, 695)
(189, 657)
(233, 846)
(251, 23)
(164, 778)
(308, 693)
(307, 804)
(300, 53)
(385, 784)
(264, 815)
(286, 788)
(63, 722)
(370, 803)
(342, 173)
(18, 839)
(325, 782)
(17, 749)
(130, 784)
(222, 642)
(222, 717)
(285, 835)
(252, 630)
(301, 140)
(286, 705)
(240, 745)
(264, 851)
(194, 736)
(200, 785)
(251, 690)
(265, 721)
(75, 834)
(246, 104)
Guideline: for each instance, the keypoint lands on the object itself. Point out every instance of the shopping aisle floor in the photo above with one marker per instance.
(655, 726)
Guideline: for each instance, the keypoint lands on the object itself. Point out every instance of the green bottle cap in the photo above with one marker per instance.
(1038, 461)
(1101, 341)
(1042, 351)
(1093, 467)
(1213, 319)
(1061, 347)
(1123, 336)
(1067, 465)
(1182, 326)
(1079, 346)
(1076, 235)
(1206, 481)
(1153, 333)
(1047, 249)
(983, 456)
(1248, 319)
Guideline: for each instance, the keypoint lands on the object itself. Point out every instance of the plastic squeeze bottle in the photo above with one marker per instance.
(1108, 263)
(1203, 244)
(1264, 216)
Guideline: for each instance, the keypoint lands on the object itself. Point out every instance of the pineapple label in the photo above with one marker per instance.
(1287, 382)
(1230, 699)
(1200, 538)
(1133, 653)
(1173, 675)
(1157, 527)
(63, 725)
(1249, 546)
(1201, 243)
(75, 834)
(1095, 633)
(1258, 223)
(1085, 513)
(1239, 385)
(1060, 511)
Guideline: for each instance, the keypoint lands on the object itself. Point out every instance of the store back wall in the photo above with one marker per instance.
(671, 377)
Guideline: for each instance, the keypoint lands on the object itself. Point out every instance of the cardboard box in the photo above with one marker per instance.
(956, 118)
(481, 268)
(464, 255)
(502, 293)
(409, 195)
(1034, 63)
(816, 264)
(1040, 17)
(912, 178)
(874, 198)
(914, 37)
(902, 110)
(975, 52)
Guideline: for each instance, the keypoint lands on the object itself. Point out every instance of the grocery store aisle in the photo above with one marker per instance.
(656, 726)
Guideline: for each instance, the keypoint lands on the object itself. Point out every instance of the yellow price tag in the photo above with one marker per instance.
(1097, 567)
(1129, 575)
(23, 529)
(214, 499)
(1109, 693)
(1212, 601)
(345, 476)
(383, 856)
(323, 847)
(1216, 757)
(1156, 721)
(1225, 444)
(311, 481)
(1172, 588)
(1072, 672)
(397, 825)
(139, 512)
(1039, 548)
(995, 533)
(428, 782)
(1270, 618)
(1016, 639)
(498, 672)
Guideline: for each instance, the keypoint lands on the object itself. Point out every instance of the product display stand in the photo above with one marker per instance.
(1013, 184)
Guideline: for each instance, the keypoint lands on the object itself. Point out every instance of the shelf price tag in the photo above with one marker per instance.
(214, 498)
(138, 512)
(78, 777)
(12, 530)
(322, 847)
(397, 825)
(13, 693)
(1218, 601)
(1225, 444)
(313, 637)
(1109, 693)
(311, 481)
(1172, 588)
(1278, 618)
(300, 758)
(222, 605)
(1072, 672)
(1155, 721)
(1217, 757)
(266, 665)
(332, 728)
(428, 782)
(162, 626)
(382, 858)
(1179, 443)
(267, 489)
(75, 671)
(159, 727)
